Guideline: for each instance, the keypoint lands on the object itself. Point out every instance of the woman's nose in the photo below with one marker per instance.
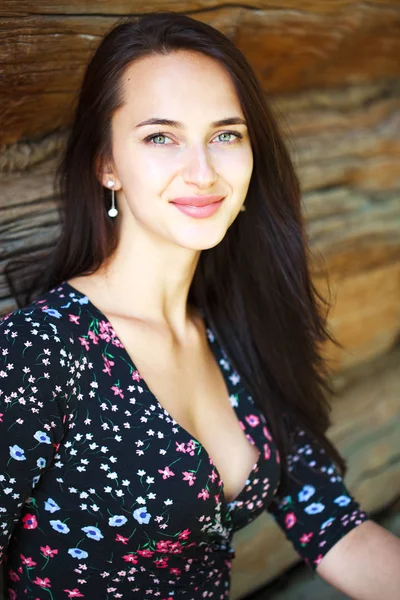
(198, 167)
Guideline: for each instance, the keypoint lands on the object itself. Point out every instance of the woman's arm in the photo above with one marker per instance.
(364, 564)
(34, 371)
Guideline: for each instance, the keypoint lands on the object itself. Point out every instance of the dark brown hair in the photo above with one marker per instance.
(254, 286)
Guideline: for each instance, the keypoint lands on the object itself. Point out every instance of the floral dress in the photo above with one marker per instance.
(104, 495)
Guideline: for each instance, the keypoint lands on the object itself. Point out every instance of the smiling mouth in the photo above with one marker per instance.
(199, 212)
(198, 201)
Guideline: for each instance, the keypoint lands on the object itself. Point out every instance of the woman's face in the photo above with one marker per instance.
(155, 164)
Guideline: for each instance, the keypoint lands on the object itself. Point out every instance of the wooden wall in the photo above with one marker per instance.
(331, 69)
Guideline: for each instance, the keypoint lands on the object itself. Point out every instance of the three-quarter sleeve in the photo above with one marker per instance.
(315, 510)
(33, 374)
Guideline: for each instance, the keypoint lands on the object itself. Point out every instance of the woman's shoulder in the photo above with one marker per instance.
(45, 319)
(35, 350)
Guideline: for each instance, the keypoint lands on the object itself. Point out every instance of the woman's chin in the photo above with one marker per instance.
(201, 240)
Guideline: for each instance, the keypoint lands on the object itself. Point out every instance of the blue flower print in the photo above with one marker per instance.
(35, 480)
(117, 521)
(42, 437)
(141, 515)
(83, 300)
(327, 523)
(51, 506)
(59, 526)
(52, 312)
(17, 453)
(305, 494)
(314, 508)
(93, 533)
(342, 500)
(77, 553)
(41, 462)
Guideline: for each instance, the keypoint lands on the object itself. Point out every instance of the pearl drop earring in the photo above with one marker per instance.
(113, 211)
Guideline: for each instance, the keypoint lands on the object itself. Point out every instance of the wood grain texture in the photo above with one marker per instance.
(45, 46)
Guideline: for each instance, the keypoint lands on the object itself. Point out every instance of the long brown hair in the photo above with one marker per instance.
(255, 285)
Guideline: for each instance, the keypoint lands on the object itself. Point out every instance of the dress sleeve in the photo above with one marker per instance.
(315, 510)
(33, 372)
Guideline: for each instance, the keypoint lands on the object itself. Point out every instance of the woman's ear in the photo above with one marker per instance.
(105, 174)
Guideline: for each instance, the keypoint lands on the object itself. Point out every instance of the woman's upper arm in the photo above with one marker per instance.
(316, 509)
(33, 374)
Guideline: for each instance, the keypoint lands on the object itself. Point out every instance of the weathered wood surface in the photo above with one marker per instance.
(367, 431)
(44, 47)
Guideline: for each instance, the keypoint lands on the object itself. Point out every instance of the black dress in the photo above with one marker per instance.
(103, 495)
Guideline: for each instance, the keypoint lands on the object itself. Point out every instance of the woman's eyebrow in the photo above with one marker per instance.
(179, 125)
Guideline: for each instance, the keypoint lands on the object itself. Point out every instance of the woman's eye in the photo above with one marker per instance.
(157, 136)
(227, 134)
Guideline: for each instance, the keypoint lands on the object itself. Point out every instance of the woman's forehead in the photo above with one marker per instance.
(180, 82)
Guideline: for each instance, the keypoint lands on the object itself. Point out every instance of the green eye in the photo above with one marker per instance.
(158, 137)
(235, 135)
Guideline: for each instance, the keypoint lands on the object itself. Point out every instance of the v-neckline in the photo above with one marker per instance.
(216, 349)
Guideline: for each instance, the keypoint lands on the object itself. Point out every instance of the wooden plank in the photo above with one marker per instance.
(42, 57)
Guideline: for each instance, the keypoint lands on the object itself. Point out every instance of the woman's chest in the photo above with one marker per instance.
(124, 450)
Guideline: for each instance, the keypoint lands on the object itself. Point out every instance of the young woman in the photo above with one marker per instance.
(166, 386)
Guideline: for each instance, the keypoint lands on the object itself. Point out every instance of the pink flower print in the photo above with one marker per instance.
(75, 593)
(175, 548)
(184, 534)
(267, 451)
(318, 559)
(84, 343)
(48, 552)
(290, 520)
(13, 575)
(278, 457)
(203, 494)
(120, 538)
(44, 583)
(29, 521)
(27, 561)
(252, 420)
(267, 434)
(74, 319)
(189, 477)
(93, 337)
(248, 437)
(213, 476)
(146, 553)
(136, 376)
(306, 537)
(190, 447)
(105, 331)
(1, 415)
(107, 365)
(131, 558)
(180, 447)
(117, 391)
(163, 546)
(161, 563)
(175, 571)
(166, 472)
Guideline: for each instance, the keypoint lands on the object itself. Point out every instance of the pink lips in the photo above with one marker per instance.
(198, 206)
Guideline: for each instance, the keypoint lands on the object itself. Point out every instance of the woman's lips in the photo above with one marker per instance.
(199, 212)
